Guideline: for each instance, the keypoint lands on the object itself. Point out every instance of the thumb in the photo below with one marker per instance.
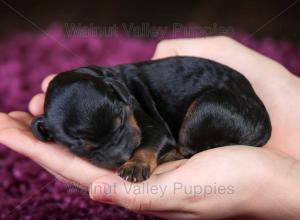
(154, 194)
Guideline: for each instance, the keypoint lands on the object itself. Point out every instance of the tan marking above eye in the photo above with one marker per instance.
(117, 122)
(131, 119)
(87, 146)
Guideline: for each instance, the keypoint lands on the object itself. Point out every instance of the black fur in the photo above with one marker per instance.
(187, 103)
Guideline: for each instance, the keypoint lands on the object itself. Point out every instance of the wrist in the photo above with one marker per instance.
(280, 197)
(288, 192)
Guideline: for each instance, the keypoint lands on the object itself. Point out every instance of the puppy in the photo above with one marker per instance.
(133, 117)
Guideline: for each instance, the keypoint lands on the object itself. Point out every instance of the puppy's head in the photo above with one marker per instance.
(90, 115)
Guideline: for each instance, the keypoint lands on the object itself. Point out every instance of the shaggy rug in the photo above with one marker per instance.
(26, 190)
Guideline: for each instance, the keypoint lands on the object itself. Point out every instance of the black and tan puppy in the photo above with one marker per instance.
(135, 116)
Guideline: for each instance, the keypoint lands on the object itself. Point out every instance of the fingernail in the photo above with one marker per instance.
(101, 192)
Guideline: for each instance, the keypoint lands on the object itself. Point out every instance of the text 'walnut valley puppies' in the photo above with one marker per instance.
(133, 117)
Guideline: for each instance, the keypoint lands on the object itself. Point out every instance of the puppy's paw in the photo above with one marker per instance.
(134, 171)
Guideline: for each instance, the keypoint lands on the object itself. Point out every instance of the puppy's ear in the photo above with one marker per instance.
(39, 130)
(120, 89)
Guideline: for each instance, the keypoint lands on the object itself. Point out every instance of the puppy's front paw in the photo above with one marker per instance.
(133, 171)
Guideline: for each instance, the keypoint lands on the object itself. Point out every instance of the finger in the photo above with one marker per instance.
(36, 104)
(22, 117)
(46, 82)
(7, 122)
(183, 47)
(221, 49)
(64, 179)
(165, 48)
(155, 194)
(55, 174)
(208, 47)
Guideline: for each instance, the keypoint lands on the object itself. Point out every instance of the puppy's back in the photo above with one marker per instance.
(176, 81)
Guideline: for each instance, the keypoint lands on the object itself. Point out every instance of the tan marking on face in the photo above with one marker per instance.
(117, 121)
(87, 146)
(134, 126)
(131, 119)
(143, 155)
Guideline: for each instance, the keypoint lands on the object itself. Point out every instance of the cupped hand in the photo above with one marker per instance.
(254, 173)
(233, 181)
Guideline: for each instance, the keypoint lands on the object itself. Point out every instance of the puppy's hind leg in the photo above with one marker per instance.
(220, 117)
(182, 150)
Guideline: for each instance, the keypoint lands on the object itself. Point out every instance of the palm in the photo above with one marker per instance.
(241, 170)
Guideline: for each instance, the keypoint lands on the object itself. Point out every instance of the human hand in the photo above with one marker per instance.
(235, 181)
(252, 171)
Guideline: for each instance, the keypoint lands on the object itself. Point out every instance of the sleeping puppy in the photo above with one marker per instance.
(133, 117)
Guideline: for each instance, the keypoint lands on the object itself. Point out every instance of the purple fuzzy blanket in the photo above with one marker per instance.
(27, 191)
